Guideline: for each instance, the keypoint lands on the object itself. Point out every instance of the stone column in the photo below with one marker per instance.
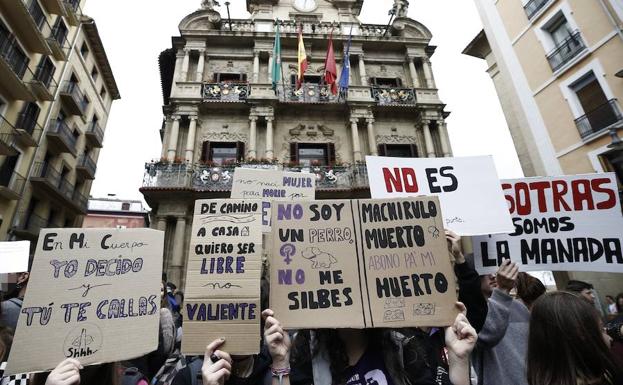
(355, 136)
(428, 73)
(177, 261)
(443, 137)
(190, 140)
(185, 65)
(413, 72)
(270, 67)
(175, 132)
(372, 137)
(200, 65)
(179, 62)
(166, 138)
(362, 71)
(252, 152)
(270, 153)
(256, 66)
(161, 223)
(428, 139)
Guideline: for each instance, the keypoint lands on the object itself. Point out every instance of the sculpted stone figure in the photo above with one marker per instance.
(401, 7)
(209, 4)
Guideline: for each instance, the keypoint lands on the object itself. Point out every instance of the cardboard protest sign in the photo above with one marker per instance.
(93, 295)
(222, 298)
(14, 256)
(272, 185)
(565, 223)
(468, 188)
(361, 264)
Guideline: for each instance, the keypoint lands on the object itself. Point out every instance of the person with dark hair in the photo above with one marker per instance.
(12, 306)
(529, 289)
(566, 344)
(582, 288)
(375, 356)
(619, 303)
(499, 356)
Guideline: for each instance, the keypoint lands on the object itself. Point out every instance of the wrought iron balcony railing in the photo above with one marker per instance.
(80, 200)
(15, 57)
(225, 92)
(322, 28)
(28, 123)
(78, 102)
(386, 96)
(14, 182)
(566, 50)
(61, 129)
(87, 163)
(220, 178)
(308, 93)
(45, 171)
(7, 137)
(533, 7)
(95, 133)
(30, 224)
(600, 118)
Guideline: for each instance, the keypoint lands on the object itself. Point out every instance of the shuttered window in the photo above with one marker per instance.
(222, 153)
(312, 154)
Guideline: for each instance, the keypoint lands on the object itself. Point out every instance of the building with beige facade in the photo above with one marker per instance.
(56, 91)
(220, 109)
(556, 66)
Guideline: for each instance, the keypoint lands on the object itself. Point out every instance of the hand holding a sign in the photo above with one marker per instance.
(277, 340)
(216, 367)
(460, 341)
(66, 373)
(454, 246)
(507, 275)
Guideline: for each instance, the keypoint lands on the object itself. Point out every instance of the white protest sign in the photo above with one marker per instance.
(14, 256)
(468, 188)
(565, 223)
(93, 295)
(272, 185)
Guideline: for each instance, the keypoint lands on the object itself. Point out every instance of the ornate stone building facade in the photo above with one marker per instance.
(220, 109)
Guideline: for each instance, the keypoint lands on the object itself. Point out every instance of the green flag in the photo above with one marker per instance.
(276, 58)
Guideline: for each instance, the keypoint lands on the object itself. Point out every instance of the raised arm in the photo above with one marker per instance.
(498, 314)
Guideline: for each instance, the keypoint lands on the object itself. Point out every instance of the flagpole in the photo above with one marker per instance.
(283, 79)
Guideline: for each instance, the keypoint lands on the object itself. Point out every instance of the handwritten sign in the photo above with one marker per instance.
(566, 223)
(361, 264)
(468, 188)
(93, 295)
(14, 256)
(223, 277)
(272, 185)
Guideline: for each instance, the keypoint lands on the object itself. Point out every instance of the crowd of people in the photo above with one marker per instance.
(509, 330)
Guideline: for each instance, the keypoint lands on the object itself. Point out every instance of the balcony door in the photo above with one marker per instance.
(598, 111)
(7, 168)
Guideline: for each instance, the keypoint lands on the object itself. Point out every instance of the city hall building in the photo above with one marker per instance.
(221, 110)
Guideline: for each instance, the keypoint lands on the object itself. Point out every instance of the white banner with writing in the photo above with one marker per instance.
(565, 223)
(468, 189)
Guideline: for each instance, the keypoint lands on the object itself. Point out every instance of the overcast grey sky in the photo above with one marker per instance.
(134, 32)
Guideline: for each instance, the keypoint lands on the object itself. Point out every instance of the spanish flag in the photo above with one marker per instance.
(302, 59)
